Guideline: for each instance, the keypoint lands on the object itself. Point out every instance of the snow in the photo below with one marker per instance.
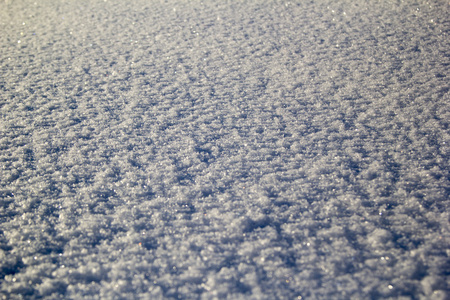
(224, 150)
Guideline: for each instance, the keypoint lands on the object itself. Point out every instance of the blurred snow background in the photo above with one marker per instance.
(224, 149)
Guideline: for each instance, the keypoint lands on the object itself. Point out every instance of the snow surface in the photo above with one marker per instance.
(224, 149)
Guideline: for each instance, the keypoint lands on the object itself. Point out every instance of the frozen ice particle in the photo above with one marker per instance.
(380, 238)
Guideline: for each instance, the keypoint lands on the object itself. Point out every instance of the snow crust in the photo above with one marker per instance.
(224, 149)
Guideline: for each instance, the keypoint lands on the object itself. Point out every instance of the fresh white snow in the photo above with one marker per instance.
(172, 149)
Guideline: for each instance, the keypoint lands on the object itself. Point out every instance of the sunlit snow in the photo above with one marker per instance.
(224, 149)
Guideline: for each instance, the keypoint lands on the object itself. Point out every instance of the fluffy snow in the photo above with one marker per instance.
(224, 149)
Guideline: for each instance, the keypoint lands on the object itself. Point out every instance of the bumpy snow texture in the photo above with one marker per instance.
(224, 149)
